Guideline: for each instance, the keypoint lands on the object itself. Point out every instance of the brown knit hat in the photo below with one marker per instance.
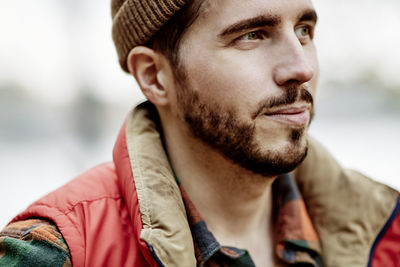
(136, 21)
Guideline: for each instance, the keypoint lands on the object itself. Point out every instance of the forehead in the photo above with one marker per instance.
(222, 12)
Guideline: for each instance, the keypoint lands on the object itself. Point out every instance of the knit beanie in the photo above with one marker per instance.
(136, 21)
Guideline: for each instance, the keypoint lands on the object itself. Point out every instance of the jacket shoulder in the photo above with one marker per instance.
(81, 208)
(347, 208)
(95, 184)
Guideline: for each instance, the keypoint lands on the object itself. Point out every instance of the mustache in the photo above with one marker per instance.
(290, 96)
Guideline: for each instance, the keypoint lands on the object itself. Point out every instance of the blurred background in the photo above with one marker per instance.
(63, 96)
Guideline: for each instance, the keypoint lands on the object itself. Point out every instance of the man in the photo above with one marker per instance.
(216, 169)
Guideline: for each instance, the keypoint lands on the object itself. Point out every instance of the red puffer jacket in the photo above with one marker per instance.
(130, 212)
(99, 226)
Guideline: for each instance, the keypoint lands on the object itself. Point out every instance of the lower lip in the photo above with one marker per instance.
(298, 119)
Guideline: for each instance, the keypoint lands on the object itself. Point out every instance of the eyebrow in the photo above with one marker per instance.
(308, 15)
(246, 24)
(265, 21)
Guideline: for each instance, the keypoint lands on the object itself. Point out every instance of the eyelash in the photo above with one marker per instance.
(260, 35)
(263, 35)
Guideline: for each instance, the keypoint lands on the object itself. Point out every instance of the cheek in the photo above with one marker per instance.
(314, 84)
(234, 78)
(312, 55)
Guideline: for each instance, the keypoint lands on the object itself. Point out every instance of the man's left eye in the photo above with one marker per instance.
(303, 32)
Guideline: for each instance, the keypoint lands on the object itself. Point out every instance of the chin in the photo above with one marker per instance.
(281, 155)
(283, 139)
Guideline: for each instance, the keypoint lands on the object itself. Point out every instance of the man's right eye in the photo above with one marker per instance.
(252, 36)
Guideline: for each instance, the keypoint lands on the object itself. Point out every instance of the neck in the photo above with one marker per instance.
(235, 203)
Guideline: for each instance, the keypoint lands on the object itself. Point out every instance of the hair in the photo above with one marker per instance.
(167, 39)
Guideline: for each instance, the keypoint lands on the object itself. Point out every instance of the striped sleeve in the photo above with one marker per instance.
(33, 242)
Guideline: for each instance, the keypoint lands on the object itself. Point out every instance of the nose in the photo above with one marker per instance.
(293, 65)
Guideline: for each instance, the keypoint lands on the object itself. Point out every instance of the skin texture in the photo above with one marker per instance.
(237, 113)
(236, 140)
(257, 67)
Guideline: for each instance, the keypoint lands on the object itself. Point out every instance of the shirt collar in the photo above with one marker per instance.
(296, 238)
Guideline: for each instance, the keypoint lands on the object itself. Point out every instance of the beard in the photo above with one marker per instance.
(220, 129)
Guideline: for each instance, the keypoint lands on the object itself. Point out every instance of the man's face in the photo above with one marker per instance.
(248, 74)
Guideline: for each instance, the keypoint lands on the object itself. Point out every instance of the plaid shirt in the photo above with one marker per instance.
(33, 242)
(297, 241)
(37, 242)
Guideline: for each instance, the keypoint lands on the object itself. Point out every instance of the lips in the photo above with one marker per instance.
(297, 116)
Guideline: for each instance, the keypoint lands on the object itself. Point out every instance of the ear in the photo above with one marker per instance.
(152, 72)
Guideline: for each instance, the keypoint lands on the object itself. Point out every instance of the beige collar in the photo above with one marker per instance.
(165, 225)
